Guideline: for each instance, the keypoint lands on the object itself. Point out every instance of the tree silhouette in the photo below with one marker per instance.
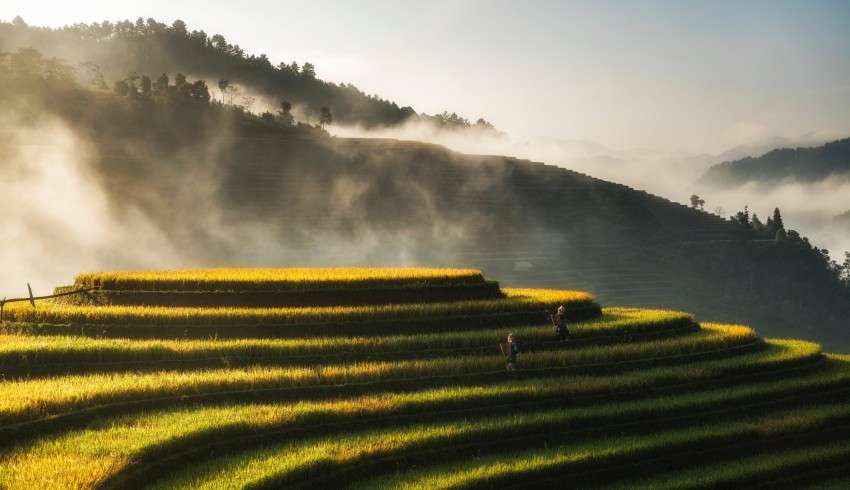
(308, 70)
(482, 123)
(160, 86)
(777, 219)
(199, 91)
(775, 224)
(758, 226)
(325, 117)
(742, 217)
(285, 113)
(223, 86)
(219, 43)
(179, 27)
(694, 201)
(845, 270)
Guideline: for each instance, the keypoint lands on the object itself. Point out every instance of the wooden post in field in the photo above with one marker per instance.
(31, 299)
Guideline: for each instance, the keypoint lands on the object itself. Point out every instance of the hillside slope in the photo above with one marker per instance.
(192, 182)
(784, 165)
(528, 223)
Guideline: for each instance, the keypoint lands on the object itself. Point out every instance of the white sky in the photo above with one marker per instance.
(670, 75)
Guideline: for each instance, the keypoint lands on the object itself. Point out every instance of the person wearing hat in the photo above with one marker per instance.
(510, 349)
(559, 321)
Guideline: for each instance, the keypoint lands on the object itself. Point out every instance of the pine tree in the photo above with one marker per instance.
(743, 217)
(757, 224)
(777, 220)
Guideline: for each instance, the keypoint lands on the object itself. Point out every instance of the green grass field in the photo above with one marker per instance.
(633, 399)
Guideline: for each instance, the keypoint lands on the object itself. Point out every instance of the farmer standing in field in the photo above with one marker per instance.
(559, 323)
(510, 350)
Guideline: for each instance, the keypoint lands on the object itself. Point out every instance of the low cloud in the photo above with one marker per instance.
(57, 219)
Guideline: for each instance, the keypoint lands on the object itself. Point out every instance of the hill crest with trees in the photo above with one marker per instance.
(111, 50)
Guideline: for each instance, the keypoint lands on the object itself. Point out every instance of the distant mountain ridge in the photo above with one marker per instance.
(808, 165)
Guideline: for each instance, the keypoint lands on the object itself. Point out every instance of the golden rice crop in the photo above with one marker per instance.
(111, 444)
(281, 279)
(523, 464)
(727, 473)
(280, 463)
(37, 397)
(370, 380)
(38, 351)
(516, 300)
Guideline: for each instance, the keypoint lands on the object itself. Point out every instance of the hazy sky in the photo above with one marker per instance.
(672, 75)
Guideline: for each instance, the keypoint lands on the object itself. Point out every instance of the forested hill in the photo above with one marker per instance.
(108, 52)
(786, 164)
(192, 181)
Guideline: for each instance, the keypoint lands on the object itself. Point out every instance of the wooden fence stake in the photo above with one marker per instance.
(32, 298)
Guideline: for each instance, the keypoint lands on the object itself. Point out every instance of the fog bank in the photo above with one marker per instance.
(808, 208)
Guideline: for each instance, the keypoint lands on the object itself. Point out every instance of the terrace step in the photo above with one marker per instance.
(273, 299)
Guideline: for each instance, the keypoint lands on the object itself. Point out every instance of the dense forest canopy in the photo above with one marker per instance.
(109, 51)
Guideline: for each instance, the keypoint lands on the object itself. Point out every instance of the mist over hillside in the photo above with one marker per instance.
(674, 175)
(111, 51)
(174, 179)
(225, 269)
(106, 52)
(155, 171)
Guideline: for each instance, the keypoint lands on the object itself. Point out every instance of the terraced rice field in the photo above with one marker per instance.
(282, 287)
(339, 278)
(633, 399)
